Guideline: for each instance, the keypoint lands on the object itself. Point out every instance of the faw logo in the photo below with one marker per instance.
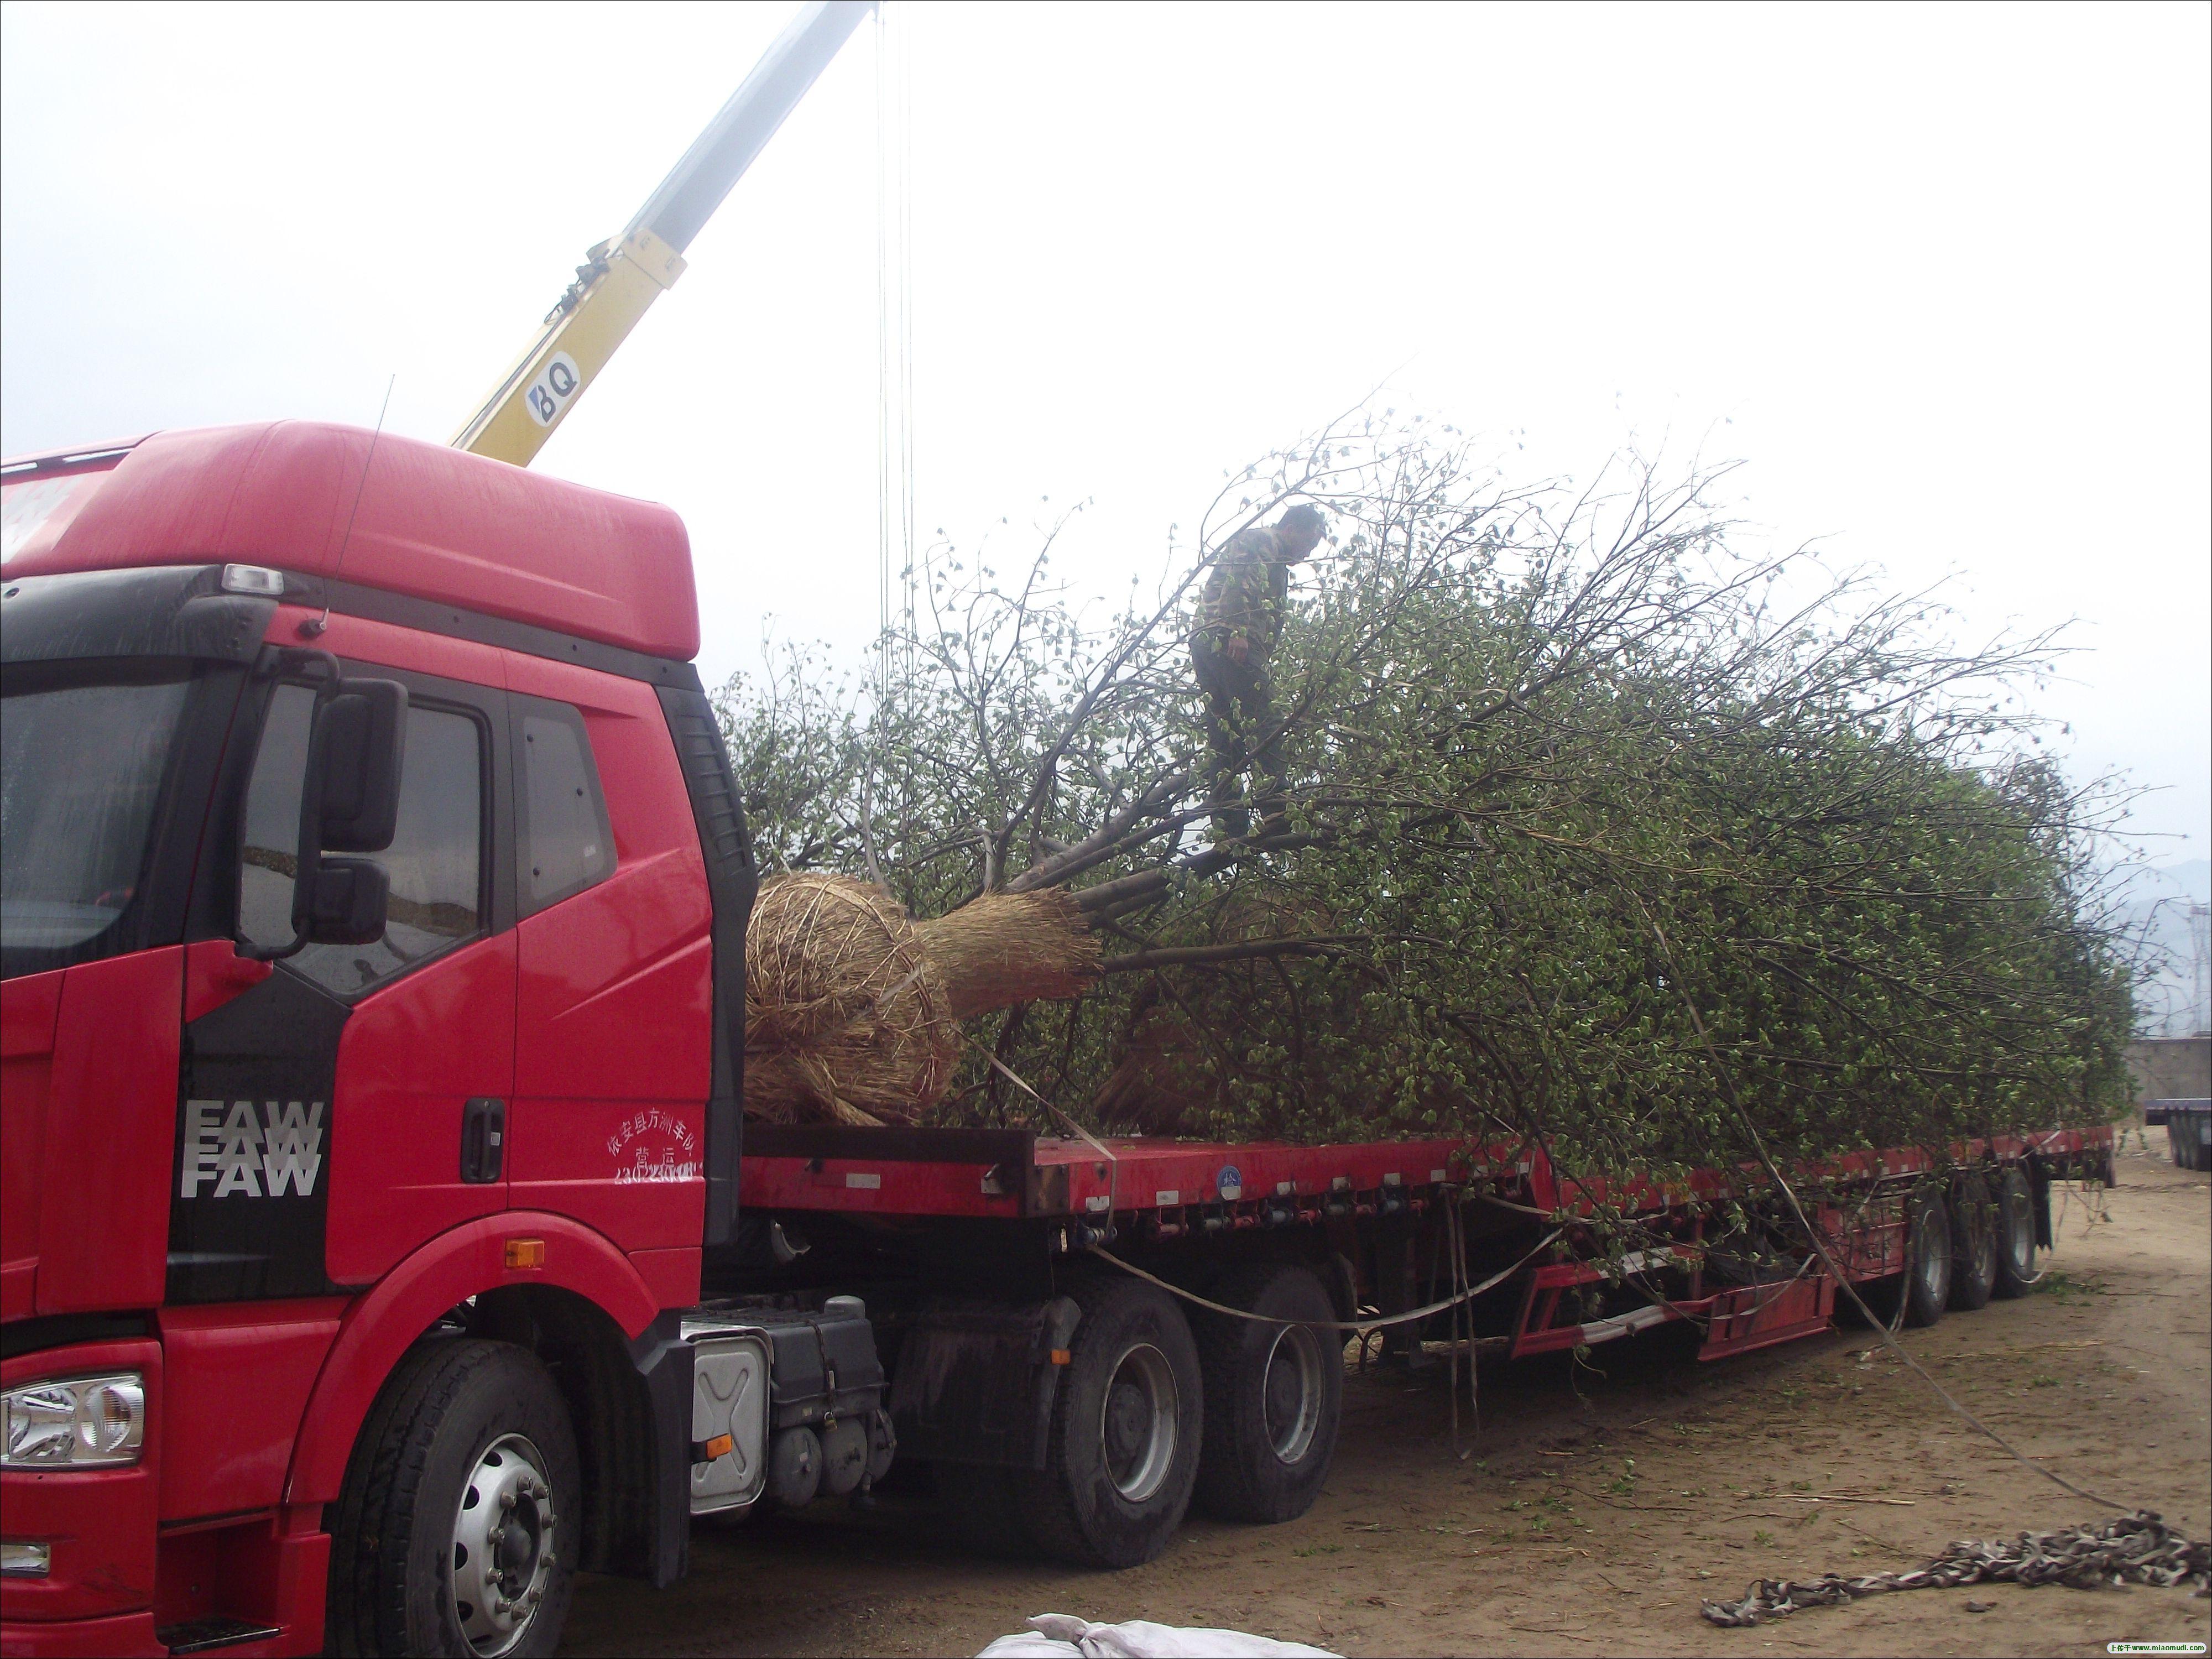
(258, 1150)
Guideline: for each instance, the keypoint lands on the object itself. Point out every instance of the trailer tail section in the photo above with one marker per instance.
(2188, 1125)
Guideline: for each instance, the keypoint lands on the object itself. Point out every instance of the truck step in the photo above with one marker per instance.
(201, 1635)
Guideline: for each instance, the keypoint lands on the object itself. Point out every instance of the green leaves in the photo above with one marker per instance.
(1560, 763)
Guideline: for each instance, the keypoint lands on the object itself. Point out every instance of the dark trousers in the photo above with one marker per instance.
(1241, 729)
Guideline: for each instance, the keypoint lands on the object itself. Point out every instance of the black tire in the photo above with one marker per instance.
(1273, 1396)
(1927, 1287)
(1923, 1289)
(981, 1506)
(1974, 1244)
(2017, 1271)
(1122, 1455)
(457, 1418)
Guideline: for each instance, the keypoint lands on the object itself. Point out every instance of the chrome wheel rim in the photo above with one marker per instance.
(504, 1533)
(1984, 1223)
(1137, 1423)
(1290, 1393)
(2020, 1237)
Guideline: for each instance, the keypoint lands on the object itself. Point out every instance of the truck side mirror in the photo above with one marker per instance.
(358, 747)
(356, 751)
(349, 802)
(348, 902)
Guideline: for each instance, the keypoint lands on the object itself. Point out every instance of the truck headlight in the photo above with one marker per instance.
(77, 1422)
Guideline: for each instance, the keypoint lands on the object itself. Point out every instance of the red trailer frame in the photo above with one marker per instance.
(1163, 1193)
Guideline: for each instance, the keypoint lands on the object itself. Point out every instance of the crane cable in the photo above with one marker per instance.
(893, 335)
(894, 399)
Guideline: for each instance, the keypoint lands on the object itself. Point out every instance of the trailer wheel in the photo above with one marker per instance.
(2017, 1272)
(456, 1529)
(1123, 1453)
(1927, 1287)
(1273, 1393)
(1973, 1245)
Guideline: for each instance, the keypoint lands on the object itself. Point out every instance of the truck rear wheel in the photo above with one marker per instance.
(1272, 1395)
(1974, 1244)
(1123, 1450)
(457, 1531)
(2017, 1272)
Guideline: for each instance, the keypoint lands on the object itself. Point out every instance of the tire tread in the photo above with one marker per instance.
(1046, 1500)
(370, 1585)
(1226, 1488)
(2013, 1188)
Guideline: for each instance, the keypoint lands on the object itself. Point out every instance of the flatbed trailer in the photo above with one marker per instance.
(1046, 1307)
(1187, 1212)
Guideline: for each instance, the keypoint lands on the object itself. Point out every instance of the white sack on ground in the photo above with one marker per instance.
(1063, 1636)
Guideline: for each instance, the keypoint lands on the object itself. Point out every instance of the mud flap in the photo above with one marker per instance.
(658, 1532)
(976, 1382)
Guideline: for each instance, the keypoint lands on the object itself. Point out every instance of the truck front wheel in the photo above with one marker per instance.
(1273, 1393)
(456, 1534)
(1124, 1450)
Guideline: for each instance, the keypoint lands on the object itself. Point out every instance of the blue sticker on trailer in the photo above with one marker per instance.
(1230, 1182)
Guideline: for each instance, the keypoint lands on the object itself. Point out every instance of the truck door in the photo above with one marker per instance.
(352, 1105)
(615, 1006)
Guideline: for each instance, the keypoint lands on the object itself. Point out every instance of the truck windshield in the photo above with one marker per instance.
(81, 762)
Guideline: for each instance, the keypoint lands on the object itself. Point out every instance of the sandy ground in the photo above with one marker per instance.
(1597, 1507)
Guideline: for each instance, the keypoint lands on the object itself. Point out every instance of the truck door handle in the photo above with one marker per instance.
(483, 1135)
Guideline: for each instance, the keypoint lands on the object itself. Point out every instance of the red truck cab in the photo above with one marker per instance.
(251, 1153)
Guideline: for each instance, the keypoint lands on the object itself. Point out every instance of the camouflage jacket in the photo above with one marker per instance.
(1248, 593)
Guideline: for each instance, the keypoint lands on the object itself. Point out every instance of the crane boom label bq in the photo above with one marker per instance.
(620, 278)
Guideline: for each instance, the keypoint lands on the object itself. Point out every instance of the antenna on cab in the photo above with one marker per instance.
(314, 625)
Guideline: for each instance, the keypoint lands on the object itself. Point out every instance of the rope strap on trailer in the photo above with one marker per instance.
(1113, 1164)
(1360, 1327)
(2135, 1549)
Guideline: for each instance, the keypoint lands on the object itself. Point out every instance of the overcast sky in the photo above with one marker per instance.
(1939, 276)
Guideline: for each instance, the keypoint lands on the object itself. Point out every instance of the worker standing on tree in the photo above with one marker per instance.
(1239, 618)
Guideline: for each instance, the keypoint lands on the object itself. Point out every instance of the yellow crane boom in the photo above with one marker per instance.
(620, 277)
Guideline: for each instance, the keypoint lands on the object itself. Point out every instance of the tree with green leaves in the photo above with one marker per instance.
(1593, 822)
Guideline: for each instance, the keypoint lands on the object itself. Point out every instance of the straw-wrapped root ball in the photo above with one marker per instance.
(1006, 948)
(847, 1021)
(853, 1010)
